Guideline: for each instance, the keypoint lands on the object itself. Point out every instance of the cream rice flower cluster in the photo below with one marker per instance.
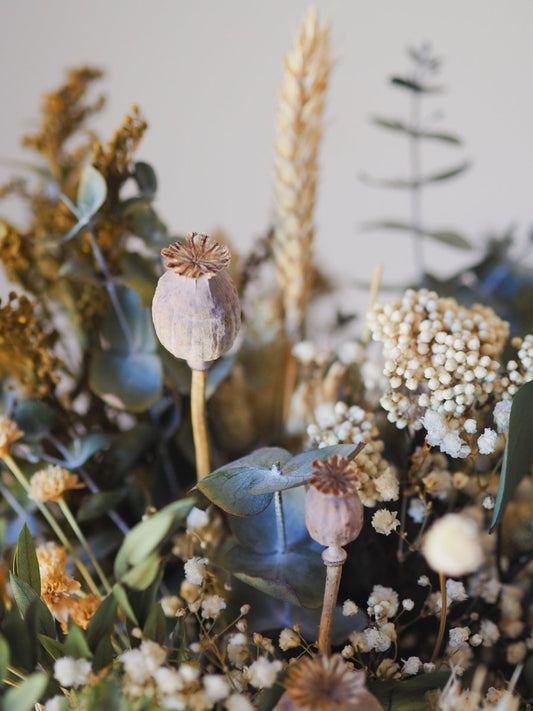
(337, 423)
(519, 370)
(439, 356)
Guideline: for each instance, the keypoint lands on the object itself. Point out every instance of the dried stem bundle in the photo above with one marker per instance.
(299, 129)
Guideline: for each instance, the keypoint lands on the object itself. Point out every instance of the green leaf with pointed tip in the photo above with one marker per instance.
(147, 536)
(29, 603)
(143, 574)
(401, 127)
(122, 599)
(518, 454)
(229, 485)
(92, 191)
(102, 622)
(449, 237)
(103, 655)
(25, 563)
(155, 626)
(298, 470)
(54, 648)
(4, 658)
(297, 576)
(126, 381)
(76, 644)
(25, 696)
(145, 178)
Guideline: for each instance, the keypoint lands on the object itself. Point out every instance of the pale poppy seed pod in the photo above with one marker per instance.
(333, 509)
(196, 310)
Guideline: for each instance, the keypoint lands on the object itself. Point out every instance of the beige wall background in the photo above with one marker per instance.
(206, 72)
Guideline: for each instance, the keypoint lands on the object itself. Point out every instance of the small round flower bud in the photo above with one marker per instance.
(333, 509)
(196, 310)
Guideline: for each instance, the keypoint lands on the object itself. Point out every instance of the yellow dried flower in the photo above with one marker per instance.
(9, 433)
(51, 483)
(83, 608)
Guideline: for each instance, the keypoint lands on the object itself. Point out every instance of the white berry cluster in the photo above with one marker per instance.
(337, 423)
(519, 370)
(439, 356)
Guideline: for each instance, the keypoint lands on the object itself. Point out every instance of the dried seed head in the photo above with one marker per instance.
(200, 257)
(324, 682)
(333, 510)
(9, 433)
(196, 310)
(336, 475)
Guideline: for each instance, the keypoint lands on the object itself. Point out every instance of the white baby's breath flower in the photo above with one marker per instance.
(455, 591)
(263, 673)
(288, 639)
(72, 672)
(417, 510)
(423, 581)
(349, 608)
(168, 681)
(383, 602)
(475, 640)
(134, 665)
(170, 604)
(216, 687)
(212, 606)
(385, 521)
(238, 702)
(408, 604)
(197, 519)
(452, 546)
(189, 672)
(488, 502)
(487, 441)
(195, 570)
(411, 666)
(470, 425)
(458, 637)
(501, 415)
(387, 486)
(489, 632)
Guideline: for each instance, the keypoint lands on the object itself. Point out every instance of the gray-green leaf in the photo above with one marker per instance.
(92, 192)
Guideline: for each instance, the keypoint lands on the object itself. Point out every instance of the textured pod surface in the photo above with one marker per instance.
(196, 319)
(333, 520)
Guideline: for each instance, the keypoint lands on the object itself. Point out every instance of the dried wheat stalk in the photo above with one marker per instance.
(299, 129)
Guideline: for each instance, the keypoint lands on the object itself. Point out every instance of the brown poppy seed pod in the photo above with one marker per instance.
(196, 310)
(333, 509)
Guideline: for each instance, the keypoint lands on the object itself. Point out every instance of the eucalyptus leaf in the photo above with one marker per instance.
(97, 505)
(35, 419)
(126, 381)
(297, 576)
(139, 320)
(145, 178)
(141, 218)
(84, 447)
(143, 574)
(139, 274)
(92, 192)
(25, 563)
(4, 657)
(518, 454)
(127, 447)
(25, 696)
(76, 643)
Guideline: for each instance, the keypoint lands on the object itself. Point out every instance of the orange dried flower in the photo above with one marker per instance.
(51, 483)
(9, 433)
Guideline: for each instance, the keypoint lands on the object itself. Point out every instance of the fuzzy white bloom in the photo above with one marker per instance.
(189, 673)
(72, 672)
(305, 352)
(349, 608)
(325, 415)
(436, 427)
(168, 681)
(197, 519)
(501, 415)
(455, 591)
(475, 640)
(212, 606)
(195, 570)
(135, 666)
(408, 604)
(470, 426)
(417, 510)
(288, 639)
(350, 352)
(263, 673)
(216, 687)
(372, 639)
(385, 521)
(489, 631)
(383, 602)
(452, 546)
(237, 649)
(453, 445)
(458, 637)
(487, 441)
(237, 702)
(387, 486)
(347, 651)
(423, 581)
(488, 502)
(56, 703)
(411, 666)
(170, 604)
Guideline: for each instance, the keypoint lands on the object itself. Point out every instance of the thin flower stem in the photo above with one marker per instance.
(13, 670)
(67, 513)
(443, 617)
(333, 558)
(199, 423)
(372, 296)
(21, 478)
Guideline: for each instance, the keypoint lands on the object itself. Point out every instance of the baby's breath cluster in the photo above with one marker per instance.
(338, 423)
(519, 370)
(439, 356)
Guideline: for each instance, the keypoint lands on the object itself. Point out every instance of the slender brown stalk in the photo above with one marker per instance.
(333, 557)
(199, 423)
(373, 294)
(443, 617)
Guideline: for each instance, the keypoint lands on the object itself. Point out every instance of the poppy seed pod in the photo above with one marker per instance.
(333, 509)
(196, 310)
